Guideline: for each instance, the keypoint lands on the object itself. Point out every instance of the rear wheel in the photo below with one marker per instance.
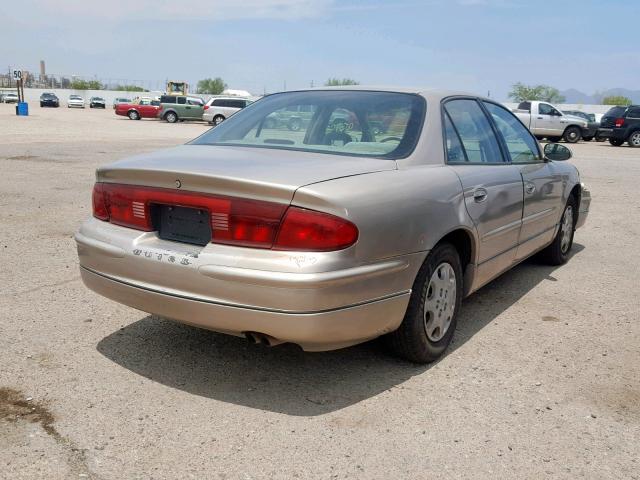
(218, 119)
(572, 135)
(634, 139)
(171, 117)
(557, 252)
(431, 316)
(133, 115)
(615, 142)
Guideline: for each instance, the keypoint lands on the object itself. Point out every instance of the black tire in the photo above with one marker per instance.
(558, 251)
(90, 106)
(615, 142)
(411, 340)
(572, 134)
(217, 120)
(133, 115)
(171, 117)
(587, 139)
(634, 139)
(41, 104)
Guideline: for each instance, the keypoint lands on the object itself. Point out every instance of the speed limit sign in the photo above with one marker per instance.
(17, 74)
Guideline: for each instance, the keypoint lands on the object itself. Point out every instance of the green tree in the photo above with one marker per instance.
(212, 86)
(616, 100)
(337, 82)
(86, 85)
(521, 92)
(129, 88)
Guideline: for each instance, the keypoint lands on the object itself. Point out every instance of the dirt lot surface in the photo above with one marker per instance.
(543, 380)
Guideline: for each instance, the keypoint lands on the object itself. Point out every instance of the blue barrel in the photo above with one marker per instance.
(22, 109)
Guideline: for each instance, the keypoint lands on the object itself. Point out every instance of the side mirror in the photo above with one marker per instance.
(557, 152)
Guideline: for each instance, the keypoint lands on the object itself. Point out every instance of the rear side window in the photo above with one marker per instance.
(522, 147)
(633, 112)
(182, 100)
(455, 151)
(472, 125)
(525, 106)
(615, 112)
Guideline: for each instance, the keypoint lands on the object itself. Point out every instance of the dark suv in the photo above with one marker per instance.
(621, 124)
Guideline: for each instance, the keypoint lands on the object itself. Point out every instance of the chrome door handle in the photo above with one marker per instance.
(480, 195)
(530, 188)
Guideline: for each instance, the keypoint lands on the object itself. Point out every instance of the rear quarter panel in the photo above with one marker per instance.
(397, 212)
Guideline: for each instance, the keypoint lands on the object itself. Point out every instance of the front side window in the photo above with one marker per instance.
(546, 109)
(358, 123)
(472, 125)
(521, 145)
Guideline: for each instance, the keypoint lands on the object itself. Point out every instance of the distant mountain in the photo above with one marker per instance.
(576, 96)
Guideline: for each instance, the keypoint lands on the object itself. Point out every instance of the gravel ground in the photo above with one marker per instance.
(542, 380)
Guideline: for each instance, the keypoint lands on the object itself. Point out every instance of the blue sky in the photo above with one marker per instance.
(473, 45)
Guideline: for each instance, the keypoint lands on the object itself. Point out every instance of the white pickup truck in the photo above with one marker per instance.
(545, 120)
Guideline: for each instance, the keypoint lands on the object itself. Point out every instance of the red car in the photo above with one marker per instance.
(140, 108)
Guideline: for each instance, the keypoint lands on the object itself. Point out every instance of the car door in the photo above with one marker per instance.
(543, 183)
(181, 107)
(550, 119)
(492, 187)
(195, 108)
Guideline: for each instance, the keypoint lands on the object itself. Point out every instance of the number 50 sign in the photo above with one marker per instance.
(17, 74)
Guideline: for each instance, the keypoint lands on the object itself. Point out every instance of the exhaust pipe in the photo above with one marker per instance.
(262, 339)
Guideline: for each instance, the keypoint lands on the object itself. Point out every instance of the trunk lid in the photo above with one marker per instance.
(253, 173)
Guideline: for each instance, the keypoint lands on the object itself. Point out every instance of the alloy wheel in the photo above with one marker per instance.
(566, 230)
(440, 302)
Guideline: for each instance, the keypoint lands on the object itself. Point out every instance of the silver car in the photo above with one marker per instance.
(377, 217)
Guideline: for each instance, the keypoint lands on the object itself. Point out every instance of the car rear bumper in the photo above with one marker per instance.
(314, 331)
(613, 133)
(309, 299)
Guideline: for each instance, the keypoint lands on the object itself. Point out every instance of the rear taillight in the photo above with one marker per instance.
(234, 221)
(99, 207)
(619, 122)
(206, 107)
(304, 229)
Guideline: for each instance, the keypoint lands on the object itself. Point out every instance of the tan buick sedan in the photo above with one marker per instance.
(376, 216)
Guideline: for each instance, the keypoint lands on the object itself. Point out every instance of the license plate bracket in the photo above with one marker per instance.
(183, 224)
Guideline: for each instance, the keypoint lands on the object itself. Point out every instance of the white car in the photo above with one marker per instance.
(75, 101)
(10, 98)
(217, 109)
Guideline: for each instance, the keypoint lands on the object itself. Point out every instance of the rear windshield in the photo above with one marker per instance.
(359, 123)
(615, 112)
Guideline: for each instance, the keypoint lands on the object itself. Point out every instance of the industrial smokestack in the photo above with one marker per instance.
(43, 72)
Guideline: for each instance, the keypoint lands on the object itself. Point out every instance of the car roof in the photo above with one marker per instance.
(427, 92)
